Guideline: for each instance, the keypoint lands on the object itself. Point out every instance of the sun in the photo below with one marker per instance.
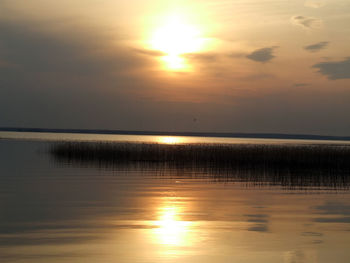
(175, 38)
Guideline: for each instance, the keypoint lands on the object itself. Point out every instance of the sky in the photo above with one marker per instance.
(258, 66)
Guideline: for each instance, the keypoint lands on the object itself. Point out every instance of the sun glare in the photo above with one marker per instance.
(175, 38)
(170, 140)
(171, 230)
(175, 62)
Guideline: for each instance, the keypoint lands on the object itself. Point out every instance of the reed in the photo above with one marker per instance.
(316, 165)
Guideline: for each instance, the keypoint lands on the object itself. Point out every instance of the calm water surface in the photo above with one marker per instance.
(152, 138)
(64, 212)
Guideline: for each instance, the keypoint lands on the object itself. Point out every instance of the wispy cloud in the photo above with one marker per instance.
(148, 52)
(335, 70)
(262, 55)
(306, 22)
(316, 47)
(202, 57)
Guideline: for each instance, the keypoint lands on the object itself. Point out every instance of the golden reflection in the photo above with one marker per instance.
(175, 38)
(170, 140)
(171, 230)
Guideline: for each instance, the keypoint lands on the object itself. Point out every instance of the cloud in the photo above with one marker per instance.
(152, 53)
(315, 3)
(335, 70)
(306, 22)
(202, 57)
(262, 55)
(316, 47)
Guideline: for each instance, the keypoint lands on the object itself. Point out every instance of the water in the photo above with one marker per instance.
(68, 212)
(153, 138)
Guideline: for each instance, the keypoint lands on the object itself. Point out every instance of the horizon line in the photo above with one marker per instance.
(181, 133)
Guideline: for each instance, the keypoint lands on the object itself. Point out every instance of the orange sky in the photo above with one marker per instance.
(250, 66)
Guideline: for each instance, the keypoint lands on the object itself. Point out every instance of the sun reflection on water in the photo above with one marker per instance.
(170, 139)
(171, 230)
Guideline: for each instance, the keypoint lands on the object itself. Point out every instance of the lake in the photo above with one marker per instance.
(65, 211)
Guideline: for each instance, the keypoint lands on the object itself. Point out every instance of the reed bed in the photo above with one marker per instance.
(313, 165)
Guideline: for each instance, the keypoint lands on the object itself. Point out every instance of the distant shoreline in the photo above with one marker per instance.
(194, 134)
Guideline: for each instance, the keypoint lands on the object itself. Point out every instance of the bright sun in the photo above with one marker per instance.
(175, 38)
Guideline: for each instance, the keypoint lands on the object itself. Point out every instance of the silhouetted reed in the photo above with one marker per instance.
(287, 165)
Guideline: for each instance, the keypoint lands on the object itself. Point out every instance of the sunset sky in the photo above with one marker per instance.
(277, 66)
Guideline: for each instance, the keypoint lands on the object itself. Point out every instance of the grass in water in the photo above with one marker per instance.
(288, 165)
